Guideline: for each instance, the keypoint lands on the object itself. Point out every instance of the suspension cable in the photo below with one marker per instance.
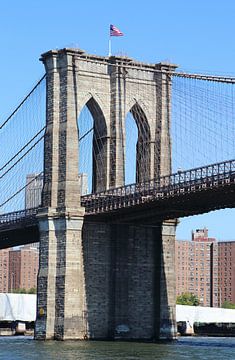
(18, 160)
(24, 147)
(22, 102)
(21, 189)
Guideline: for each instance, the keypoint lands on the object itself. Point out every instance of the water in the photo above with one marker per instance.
(192, 348)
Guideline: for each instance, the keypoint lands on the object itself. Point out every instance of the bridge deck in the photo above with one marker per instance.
(183, 183)
(184, 193)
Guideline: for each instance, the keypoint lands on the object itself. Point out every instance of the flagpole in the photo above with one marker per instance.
(113, 31)
(110, 50)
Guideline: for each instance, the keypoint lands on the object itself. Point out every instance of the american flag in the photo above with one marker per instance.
(114, 31)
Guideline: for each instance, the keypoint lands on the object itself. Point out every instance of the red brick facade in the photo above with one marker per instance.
(206, 268)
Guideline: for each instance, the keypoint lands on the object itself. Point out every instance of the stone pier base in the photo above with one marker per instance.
(61, 299)
(108, 282)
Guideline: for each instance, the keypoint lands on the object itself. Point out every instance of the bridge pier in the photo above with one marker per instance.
(99, 279)
(61, 295)
(105, 281)
(60, 309)
(166, 273)
(130, 281)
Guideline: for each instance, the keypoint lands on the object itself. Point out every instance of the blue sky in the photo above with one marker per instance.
(197, 35)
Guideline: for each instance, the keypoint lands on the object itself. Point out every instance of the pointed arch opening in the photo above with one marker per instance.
(137, 146)
(92, 133)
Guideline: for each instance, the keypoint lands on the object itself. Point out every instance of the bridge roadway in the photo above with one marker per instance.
(185, 193)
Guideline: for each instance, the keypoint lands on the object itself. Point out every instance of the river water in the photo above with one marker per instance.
(193, 348)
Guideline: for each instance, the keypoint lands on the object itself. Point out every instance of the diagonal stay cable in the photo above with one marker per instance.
(22, 102)
(33, 138)
(21, 189)
(11, 167)
(24, 147)
(86, 133)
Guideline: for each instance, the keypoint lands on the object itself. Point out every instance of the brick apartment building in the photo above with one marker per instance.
(195, 270)
(206, 268)
(4, 270)
(226, 271)
(18, 268)
(23, 268)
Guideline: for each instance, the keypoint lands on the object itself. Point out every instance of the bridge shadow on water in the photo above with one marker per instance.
(222, 342)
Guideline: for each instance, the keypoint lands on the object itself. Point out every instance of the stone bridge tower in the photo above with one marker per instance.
(104, 280)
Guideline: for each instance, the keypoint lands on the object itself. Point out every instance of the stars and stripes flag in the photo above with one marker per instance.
(114, 31)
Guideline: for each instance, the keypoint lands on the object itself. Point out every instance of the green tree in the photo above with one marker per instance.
(32, 291)
(187, 299)
(19, 291)
(228, 305)
(24, 291)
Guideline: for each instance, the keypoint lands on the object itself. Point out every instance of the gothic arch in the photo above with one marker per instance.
(140, 103)
(99, 144)
(96, 105)
(143, 151)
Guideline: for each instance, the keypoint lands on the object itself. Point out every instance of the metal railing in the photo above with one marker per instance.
(179, 183)
(165, 186)
(18, 216)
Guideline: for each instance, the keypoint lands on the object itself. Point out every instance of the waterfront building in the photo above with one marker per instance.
(4, 270)
(226, 271)
(197, 267)
(33, 190)
(23, 268)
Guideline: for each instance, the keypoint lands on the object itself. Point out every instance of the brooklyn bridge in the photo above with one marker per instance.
(155, 144)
